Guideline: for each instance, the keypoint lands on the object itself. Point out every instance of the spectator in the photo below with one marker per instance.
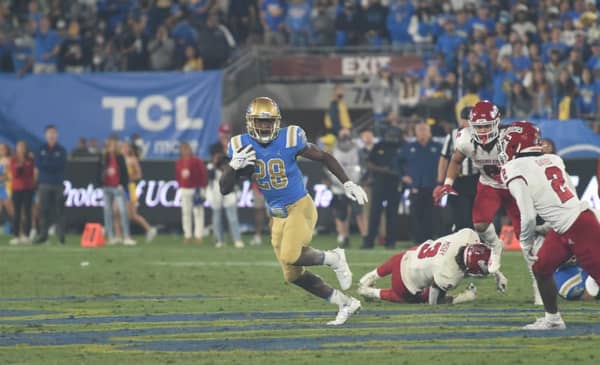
(112, 176)
(51, 160)
(410, 91)
(219, 202)
(5, 199)
(23, 49)
(542, 96)
(522, 25)
(375, 19)
(220, 147)
(564, 91)
(448, 43)
(215, 43)
(272, 16)
(384, 92)
(73, 54)
(595, 56)
(554, 67)
(503, 77)
(191, 176)
(520, 102)
(587, 96)
(322, 25)
(162, 51)
(347, 154)
(422, 159)
(555, 43)
(241, 15)
(21, 169)
(199, 10)
(94, 146)
(383, 164)
(134, 46)
(192, 62)
(81, 150)
(46, 48)
(347, 25)
(398, 21)
(297, 22)
(336, 117)
(460, 205)
(134, 171)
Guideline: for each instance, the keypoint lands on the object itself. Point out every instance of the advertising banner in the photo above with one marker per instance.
(161, 107)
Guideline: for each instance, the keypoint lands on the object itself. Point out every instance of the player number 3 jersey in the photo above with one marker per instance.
(435, 262)
(276, 171)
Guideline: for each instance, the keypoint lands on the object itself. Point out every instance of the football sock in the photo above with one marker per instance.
(490, 238)
(553, 317)
(339, 298)
(330, 258)
(386, 268)
(390, 295)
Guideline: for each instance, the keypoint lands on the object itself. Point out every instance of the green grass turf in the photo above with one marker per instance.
(144, 305)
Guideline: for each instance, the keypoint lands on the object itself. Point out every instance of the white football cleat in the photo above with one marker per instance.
(342, 270)
(369, 292)
(542, 324)
(369, 279)
(151, 234)
(346, 311)
(238, 244)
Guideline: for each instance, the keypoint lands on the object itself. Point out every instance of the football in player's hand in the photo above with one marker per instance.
(246, 171)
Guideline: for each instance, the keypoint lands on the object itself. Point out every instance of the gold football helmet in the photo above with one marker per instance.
(263, 119)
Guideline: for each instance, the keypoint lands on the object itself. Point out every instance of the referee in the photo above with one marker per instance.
(461, 205)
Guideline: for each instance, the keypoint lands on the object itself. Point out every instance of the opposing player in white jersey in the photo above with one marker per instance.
(480, 144)
(423, 274)
(540, 185)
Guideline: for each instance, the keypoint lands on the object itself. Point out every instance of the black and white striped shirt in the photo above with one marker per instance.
(467, 168)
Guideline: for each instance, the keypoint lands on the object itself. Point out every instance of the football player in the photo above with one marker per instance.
(573, 283)
(479, 142)
(540, 185)
(269, 153)
(426, 272)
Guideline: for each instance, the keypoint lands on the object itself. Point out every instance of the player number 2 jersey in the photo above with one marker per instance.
(435, 261)
(276, 171)
(486, 161)
(550, 187)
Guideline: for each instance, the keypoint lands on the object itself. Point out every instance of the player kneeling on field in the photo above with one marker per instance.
(423, 274)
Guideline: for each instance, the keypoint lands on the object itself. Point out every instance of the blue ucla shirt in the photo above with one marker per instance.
(276, 171)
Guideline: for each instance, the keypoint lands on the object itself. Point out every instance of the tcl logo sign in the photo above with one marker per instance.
(154, 113)
(356, 66)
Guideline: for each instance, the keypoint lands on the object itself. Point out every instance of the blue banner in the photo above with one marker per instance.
(163, 108)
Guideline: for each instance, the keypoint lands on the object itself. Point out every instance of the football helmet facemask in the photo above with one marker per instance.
(263, 119)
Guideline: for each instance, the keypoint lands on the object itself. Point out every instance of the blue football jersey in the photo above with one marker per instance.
(276, 171)
(570, 281)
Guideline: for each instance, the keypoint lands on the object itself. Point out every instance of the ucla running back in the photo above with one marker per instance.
(270, 153)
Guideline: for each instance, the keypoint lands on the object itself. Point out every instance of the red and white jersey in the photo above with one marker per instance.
(486, 161)
(435, 262)
(553, 194)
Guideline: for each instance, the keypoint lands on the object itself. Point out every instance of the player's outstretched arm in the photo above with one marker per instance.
(451, 174)
(352, 190)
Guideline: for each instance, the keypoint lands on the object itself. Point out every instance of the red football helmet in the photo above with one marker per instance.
(519, 137)
(477, 258)
(484, 120)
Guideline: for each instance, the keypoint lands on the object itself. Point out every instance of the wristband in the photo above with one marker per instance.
(448, 181)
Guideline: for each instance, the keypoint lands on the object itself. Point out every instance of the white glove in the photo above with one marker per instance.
(501, 282)
(355, 193)
(243, 157)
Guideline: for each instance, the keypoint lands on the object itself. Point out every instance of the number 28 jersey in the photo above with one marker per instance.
(553, 194)
(276, 171)
(435, 262)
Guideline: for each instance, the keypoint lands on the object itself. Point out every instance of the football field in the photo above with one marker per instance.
(169, 303)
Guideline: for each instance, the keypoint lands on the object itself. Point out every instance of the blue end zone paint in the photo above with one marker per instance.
(320, 342)
(241, 316)
(110, 297)
(21, 313)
